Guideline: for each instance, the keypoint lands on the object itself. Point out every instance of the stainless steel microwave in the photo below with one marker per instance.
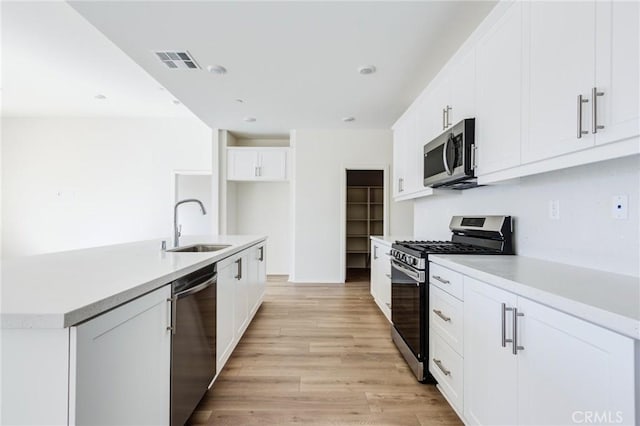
(449, 159)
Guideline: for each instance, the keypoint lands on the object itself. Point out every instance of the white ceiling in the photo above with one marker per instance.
(54, 63)
(294, 63)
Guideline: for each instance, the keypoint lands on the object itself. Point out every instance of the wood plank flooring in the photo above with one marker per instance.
(319, 355)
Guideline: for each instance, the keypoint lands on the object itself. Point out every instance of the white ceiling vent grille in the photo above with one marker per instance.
(177, 59)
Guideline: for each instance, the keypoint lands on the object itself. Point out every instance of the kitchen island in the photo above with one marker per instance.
(86, 334)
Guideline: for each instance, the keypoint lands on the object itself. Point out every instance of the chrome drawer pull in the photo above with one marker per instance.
(438, 363)
(439, 278)
(388, 276)
(388, 305)
(439, 313)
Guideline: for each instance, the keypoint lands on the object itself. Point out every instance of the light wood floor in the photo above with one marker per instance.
(319, 355)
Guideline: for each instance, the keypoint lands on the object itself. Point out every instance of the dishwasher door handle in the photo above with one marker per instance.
(198, 288)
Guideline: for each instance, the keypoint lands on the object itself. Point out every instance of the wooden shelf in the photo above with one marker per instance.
(364, 203)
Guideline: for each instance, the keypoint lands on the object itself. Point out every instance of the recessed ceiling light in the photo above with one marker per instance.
(240, 101)
(217, 69)
(367, 69)
(348, 119)
(176, 102)
(100, 96)
(249, 119)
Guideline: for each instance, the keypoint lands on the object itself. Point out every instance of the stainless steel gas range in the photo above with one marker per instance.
(409, 280)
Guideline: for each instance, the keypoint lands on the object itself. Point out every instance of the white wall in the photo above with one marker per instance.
(320, 158)
(190, 216)
(78, 182)
(263, 209)
(585, 235)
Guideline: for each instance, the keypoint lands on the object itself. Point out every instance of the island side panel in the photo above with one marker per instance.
(35, 376)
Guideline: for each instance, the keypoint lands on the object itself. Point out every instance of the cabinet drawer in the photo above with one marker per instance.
(446, 317)
(446, 279)
(446, 366)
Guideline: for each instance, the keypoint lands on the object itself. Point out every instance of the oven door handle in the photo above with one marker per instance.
(445, 157)
(415, 275)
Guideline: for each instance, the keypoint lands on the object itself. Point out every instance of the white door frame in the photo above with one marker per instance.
(343, 208)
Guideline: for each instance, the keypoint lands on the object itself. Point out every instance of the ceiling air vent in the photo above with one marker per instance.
(177, 60)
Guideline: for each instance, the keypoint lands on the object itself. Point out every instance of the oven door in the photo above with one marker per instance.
(407, 306)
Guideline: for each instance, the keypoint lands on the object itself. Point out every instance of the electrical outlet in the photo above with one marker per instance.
(554, 209)
(620, 206)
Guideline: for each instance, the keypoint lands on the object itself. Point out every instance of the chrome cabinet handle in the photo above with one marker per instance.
(438, 363)
(504, 325)
(514, 344)
(388, 305)
(388, 276)
(400, 184)
(239, 263)
(375, 252)
(439, 278)
(580, 131)
(261, 258)
(441, 315)
(173, 307)
(594, 111)
(255, 171)
(448, 111)
(444, 120)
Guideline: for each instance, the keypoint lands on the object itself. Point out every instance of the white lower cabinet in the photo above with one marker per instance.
(227, 270)
(257, 275)
(381, 276)
(122, 365)
(564, 371)
(241, 284)
(490, 370)
(241, 296)
(446, 339)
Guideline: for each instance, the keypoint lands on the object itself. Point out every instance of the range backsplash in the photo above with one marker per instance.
(584, 235)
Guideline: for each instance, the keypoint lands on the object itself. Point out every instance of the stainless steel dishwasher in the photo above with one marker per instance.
(193, 340)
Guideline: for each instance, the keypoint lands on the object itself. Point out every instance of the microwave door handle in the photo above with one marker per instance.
(445, 159)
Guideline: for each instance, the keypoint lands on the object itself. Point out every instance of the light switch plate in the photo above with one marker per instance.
(620, 207)
(554, 209)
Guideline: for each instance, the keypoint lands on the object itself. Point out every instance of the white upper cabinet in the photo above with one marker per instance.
(257, 164)
(560, 37)
(550, 84)
(617, 71)
(399, 157)
(450, 99)
(499, 93)
(462, 83)
(407, 156)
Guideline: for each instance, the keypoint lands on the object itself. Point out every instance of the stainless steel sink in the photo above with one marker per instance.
(201, 248)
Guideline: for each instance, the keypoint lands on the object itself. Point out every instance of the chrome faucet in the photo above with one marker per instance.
(177, 231)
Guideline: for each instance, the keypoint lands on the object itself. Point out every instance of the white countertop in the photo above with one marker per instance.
(59, 290)
(603, 298)
(389, 239)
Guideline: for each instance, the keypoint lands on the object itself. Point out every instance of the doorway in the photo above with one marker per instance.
(365, 216)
